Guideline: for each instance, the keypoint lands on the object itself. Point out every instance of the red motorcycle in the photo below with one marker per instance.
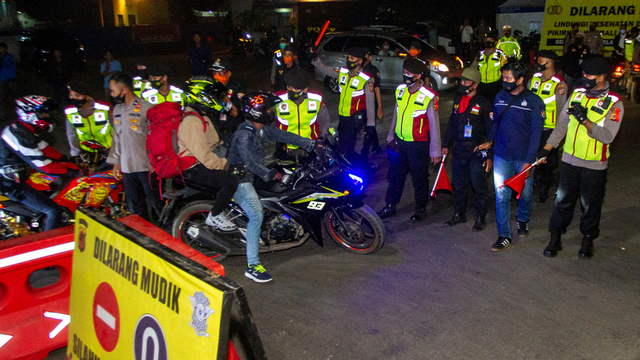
(97, 188)
(626, 78)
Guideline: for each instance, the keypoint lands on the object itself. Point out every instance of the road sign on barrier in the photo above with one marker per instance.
(130, 294)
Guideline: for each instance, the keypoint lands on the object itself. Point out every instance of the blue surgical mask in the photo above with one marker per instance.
(622, 31)
(282, 46)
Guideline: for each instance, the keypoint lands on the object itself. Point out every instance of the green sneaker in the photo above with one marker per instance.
(257, 273)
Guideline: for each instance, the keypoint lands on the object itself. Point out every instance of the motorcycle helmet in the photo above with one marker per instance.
(31, 110)
(256, 106)
(205, 92)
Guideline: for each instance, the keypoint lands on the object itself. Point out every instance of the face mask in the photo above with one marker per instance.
(509, 86)
(622, 31)
(408, 79)
(295, 95)
(507, 34)
(541, 67)
(579, 41)
(78, 103)
(157, 84)
(589, 83)
(282, 46)
(288, 60)
(351, 64)
(413, 52)
(464, 90)
(118, 99)
(489, 44)
(222, 78)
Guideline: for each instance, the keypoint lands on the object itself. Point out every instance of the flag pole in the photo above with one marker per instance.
(435, 183)
(520, 173)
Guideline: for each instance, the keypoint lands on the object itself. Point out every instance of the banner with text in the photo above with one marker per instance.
(130, 301)
(608, 15)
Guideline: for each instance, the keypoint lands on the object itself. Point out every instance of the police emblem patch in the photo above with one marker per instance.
(491, 115)
(201, 312)
(524, 103)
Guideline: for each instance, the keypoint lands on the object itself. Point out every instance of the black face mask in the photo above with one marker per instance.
(408, 79)
(351, 64)
(507, 34)
(541, 67)
(295, 95)
(157, 84)
(465, 90)
(509, 86)
(78, 103)
(589, 83)
(489, 44)
(115, 100)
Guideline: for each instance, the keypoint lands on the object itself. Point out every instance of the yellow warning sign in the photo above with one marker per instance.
(607, 15)
(126, 300)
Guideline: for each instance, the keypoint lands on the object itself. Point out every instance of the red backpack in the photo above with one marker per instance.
(162, 139)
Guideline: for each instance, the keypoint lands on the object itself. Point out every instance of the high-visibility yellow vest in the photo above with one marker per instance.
(95, 127)
(510, 47)
(578, 142)
(139, 86)
(628, 49)
(547, 92)
(412, 122)
(299, 119)
(352, 97)
(490, 66)
(154, 97)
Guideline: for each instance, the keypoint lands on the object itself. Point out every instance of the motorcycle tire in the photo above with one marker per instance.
(635, 91)
(365, 239)
(194, 213)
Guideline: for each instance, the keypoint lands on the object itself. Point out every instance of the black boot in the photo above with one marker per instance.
(387, 211)
(419, 215)
(456, 219)
(480, 223)
(543, 194)
(586, 250)
(554, 246)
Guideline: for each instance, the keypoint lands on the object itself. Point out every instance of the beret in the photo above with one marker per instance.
(415, 66)
(157, 70)
(356, 52)
(548, 54)
(596, 65)
(297, 78)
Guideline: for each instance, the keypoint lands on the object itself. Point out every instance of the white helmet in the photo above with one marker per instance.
(30, 109)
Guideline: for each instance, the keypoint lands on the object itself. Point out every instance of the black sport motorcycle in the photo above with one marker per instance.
(321, 198)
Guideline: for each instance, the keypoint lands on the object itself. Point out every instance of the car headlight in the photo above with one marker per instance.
(440, 66)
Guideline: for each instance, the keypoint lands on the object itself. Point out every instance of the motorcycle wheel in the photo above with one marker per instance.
(635, 91)
(194, 214)
(367, 230)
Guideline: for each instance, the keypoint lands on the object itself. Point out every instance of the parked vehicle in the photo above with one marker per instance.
(36, 49)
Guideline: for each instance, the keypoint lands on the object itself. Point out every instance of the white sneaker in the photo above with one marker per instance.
(221, 222)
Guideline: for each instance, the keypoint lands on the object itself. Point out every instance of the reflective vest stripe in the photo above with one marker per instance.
(351, 92)
(546, 90)
(628, 49)
(299, 119)
(412, 122)
(578, 142)
(95, 127)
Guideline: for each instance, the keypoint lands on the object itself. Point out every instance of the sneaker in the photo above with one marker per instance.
(221, 222)
(257, 273)
(501, 243)
(523, 228)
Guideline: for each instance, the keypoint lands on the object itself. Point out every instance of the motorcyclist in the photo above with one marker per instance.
(21, 144)
(201, 147)
(245, 157)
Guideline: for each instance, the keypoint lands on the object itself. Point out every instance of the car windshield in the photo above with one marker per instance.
(426, 48)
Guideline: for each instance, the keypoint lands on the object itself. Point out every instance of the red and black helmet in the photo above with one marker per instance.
(31, 110)
(256, 106)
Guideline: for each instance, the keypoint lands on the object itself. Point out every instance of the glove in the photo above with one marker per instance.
(579, 112)
(312, 53)
(542, 154)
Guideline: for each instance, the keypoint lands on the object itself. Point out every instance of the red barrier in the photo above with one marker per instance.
(34, 321)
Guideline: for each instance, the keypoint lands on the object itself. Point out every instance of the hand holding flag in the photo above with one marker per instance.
(516, 183)
(442, 180)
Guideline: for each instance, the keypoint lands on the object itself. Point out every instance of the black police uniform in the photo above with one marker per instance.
(281, 70)
(466, 130)
(229, 124)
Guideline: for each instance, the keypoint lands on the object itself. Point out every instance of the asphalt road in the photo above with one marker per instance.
(434, 292)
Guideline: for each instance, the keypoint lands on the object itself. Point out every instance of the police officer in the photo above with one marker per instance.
(357, 97)
(283, 62)
(469, 126)
(230, 121)
(552, 89)
(141, 80)
(509, 44)
(301, 111)
(128, 153)
(88, 119)
(631, 54)
(489, 62)
(161, 89)
(590, 121)
(416, 126)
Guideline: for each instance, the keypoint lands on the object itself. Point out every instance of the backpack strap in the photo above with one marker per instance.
(189, 113)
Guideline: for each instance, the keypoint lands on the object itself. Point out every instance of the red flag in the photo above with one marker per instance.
(442, 181)
(516, 182)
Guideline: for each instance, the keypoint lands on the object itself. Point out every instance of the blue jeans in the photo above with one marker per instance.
(249, 201)
(503, 170)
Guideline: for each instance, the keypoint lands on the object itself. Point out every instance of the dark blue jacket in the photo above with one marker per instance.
(517, 134)
(246, 150)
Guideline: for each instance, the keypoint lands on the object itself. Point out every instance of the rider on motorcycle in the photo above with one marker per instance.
(200, 147)
(245, 157)
(21, 144)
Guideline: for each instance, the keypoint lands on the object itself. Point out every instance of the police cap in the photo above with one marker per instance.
(596, 65)
(157, 69)
(221, 64)
(548, 54)
(297, 78)
(415, 66)
(356, 52)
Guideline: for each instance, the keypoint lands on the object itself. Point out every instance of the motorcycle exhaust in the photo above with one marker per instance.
(204, 236)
